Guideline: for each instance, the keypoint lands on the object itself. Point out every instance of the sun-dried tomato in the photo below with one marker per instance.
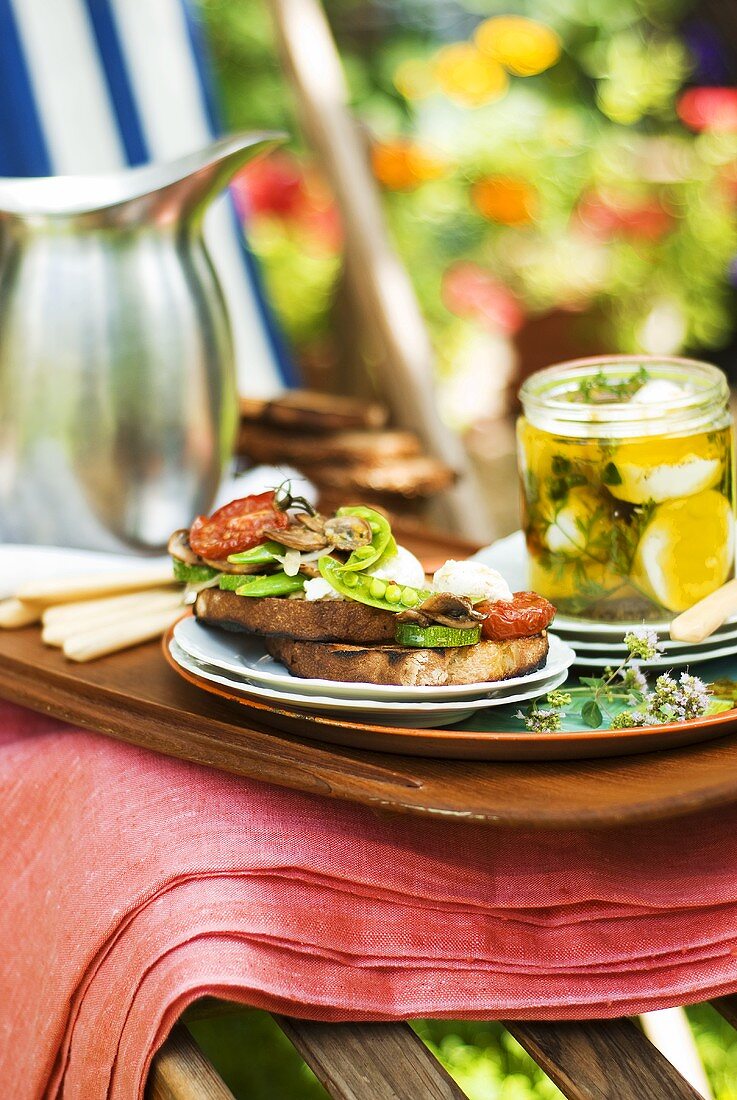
(236, 526)
(521, 617)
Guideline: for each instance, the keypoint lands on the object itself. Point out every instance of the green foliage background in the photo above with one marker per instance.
(257, 1062)
(602, 119)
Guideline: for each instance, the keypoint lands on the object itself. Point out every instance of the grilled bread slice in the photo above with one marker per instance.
(319, 621)
(410, 667)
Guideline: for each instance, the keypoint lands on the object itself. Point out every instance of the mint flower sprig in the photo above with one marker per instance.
(546, 720)
(626, 682)
(671, 700)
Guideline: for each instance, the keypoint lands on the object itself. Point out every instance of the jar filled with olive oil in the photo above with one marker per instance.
(627, 468)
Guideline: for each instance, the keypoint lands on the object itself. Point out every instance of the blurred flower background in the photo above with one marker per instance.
(560, 178)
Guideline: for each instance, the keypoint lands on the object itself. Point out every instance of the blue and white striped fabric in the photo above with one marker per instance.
(94, 85)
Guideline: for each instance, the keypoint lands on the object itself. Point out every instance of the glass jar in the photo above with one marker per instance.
(627, 485)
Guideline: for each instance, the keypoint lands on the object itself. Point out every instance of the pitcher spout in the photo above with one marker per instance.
(171, 191)
(188, 185)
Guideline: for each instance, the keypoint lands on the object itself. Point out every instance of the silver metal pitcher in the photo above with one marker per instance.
(117, 385)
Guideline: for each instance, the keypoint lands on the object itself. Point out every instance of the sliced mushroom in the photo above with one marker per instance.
(450, 610)
(348, 532)
(313, 523)
(297, 538)
(412, 615)
(309, 569)
(179, 548)
(232, 567)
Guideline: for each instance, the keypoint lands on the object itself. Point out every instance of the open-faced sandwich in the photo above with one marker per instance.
(335, 597)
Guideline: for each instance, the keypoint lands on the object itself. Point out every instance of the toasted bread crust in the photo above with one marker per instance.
(321, 621)
(409, 667)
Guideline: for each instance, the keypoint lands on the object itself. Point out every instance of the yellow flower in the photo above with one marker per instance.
(402, 165)
(522, 46)
(505, 199)
(469, 77)
(413, 78)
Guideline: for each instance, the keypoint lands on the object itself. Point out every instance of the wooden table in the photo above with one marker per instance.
(136, 697)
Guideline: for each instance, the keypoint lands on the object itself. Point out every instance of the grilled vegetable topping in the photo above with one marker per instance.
(275, 584)
(192, 574)
(386, 595)
(180, 549)
(524, 615)
(435, 637)
(258, 555)
(366, 556)
(313, 523)
(448, 610)
(348, 532)
(285, 501)
(231, 581)
(297, 538)
(236, 526)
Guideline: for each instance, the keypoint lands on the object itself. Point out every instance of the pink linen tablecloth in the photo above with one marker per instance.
(133, 884)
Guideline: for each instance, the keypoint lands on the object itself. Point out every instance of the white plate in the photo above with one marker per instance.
(244, 656)
(409, 714)
(715, 641)
(666, 660)
(509, 556)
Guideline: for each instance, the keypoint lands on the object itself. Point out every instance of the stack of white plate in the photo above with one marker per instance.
(599, 644)
(240, 663)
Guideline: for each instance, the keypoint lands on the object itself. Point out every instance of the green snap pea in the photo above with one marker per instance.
(377, 588)
(272, 584)
(386, 595)
(364, 557)
(258, 555)
(389, 552)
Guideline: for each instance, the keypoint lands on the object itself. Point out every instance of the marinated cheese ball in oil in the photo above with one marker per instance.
(627, 486)
(672, 469)
(686, 550)
(577, 522)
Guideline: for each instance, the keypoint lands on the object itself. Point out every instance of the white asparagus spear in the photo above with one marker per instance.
(121, 635)
(107, 605)
(83, 587)
(706, 616)
(58, 633)
(14, 613)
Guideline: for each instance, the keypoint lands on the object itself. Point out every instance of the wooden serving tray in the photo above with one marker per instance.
(135, 697)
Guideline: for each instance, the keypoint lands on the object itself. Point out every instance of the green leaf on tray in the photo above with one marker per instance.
(725, 689)
(720, 706)
(591, 714)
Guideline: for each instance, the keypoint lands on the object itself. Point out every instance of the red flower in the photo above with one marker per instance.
(273, 185)
(709, 109)
(294, 193)
(470, 291)
(609, 215)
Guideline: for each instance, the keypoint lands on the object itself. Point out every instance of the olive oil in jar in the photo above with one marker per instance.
(627, 502)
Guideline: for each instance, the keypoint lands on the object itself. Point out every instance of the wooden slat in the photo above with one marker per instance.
(370, 1061)
(601, 1060)
(180, 1071)
(727, 1008)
